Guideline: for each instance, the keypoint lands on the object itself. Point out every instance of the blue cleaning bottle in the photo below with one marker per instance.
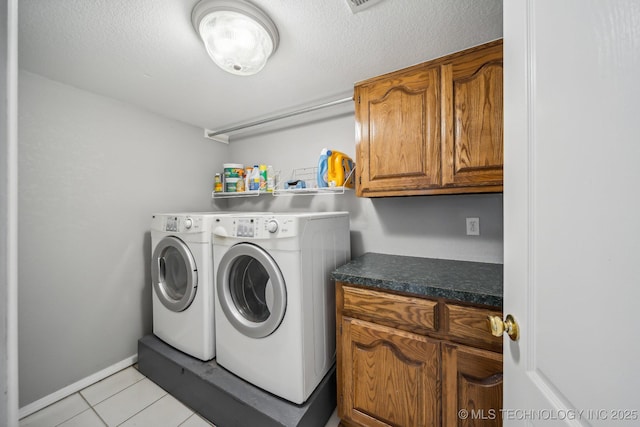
(323, 168)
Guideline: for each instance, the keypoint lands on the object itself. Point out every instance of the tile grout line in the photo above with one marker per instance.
(195, 414)
(94, 410)
(114, 394)
(143, 409)
(79, 413)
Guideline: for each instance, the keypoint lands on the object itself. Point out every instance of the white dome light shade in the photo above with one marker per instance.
(235, 42)
(239, 37)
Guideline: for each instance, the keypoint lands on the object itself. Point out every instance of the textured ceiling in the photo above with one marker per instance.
(146, 52)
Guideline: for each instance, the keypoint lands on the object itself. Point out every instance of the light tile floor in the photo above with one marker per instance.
(126, 398)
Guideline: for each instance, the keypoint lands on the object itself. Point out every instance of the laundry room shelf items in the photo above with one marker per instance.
(307, 175)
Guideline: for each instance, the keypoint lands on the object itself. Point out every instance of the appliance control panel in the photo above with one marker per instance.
(183, 224)
(263, 227)
(245, 227)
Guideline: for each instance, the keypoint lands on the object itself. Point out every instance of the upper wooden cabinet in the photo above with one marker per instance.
(472, 118)
(434, 128)
(398, 120)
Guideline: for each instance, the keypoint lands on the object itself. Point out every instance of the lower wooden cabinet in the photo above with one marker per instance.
(437, 373)
(391, 376)
(471, 386)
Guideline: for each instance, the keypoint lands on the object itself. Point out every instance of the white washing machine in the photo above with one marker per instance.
(275, 300)
(182, 277)
(183, 281)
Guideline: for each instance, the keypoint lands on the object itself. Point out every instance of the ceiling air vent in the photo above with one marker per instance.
(360, 5)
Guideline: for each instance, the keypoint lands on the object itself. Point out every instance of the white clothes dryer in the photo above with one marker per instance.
(275, 300)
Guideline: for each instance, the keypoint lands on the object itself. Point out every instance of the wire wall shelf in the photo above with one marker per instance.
(308, 176)
(301, 182)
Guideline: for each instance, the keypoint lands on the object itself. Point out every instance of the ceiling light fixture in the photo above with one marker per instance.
(238, 36)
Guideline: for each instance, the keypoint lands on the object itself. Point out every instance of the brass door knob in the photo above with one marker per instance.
(498, 327)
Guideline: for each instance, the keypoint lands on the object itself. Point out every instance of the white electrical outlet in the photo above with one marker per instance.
(473, 226)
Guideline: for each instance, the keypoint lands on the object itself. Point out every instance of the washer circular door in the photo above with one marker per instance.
(174, 274)
(251, 290)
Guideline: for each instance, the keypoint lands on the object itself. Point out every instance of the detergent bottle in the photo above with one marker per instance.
(263, 178)
(271, 179)
(323, 165)
(254, 180)
(340, 166)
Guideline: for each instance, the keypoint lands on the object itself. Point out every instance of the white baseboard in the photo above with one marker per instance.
(76, 387)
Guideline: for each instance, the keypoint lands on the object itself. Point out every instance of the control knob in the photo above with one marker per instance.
(188, 222)
(272, 226)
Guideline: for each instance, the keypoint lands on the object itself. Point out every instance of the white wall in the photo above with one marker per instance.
(426, 226)
(92, 171)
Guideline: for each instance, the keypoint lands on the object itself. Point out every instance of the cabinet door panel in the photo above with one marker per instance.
(398, 119)
(472, 386)
(404, 126)
(473, 112)
(390, 377)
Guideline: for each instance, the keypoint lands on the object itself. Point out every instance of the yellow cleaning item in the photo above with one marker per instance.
(339, 167)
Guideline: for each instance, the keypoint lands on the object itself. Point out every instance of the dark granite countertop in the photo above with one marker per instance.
(465, 281)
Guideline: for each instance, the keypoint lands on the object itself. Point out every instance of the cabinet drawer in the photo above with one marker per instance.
(469, 325)
(411, 314)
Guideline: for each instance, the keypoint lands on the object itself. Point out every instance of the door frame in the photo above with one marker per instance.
(9, 398)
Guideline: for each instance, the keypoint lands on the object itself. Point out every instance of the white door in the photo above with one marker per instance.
(572, 211)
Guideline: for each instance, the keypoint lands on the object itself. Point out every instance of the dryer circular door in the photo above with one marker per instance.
(174, 273)
(251, 290)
